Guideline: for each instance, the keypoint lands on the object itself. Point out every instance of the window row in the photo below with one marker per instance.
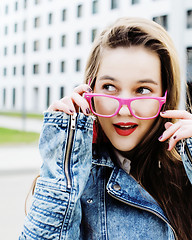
(79, 8)
(36, 68)
(162, 20)
(114, 4)
(36, 43)
(36, 96)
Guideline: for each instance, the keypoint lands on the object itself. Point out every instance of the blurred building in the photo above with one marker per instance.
(45, 43)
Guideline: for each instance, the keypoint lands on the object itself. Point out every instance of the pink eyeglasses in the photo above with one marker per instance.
(107, 106)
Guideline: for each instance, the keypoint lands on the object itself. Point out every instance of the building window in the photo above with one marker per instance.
(95, 6)
(49, 43)
(79, 10)
(4, 96)
(6, 9)
(15, 49)
(114, 4)
(78, 38)
(14, 71)
(36, 45)
(62, 66)
(4, 71)
(62, 92)
(23, 70)
(63, 41)
(24, 25)
(50, 18)
(5, 51)
(36, 22)
(24, 48)
(78, 65)
(48, 96)
(36, 69)
(162, 20)
(189, 19)
(64, 15)
(14, 97)
(6, 30)
(134, 1)
(15, 27)
(25, 4)
(37, 2)
(189, 64)
(16, 6)
(93, 34)
(49, 68)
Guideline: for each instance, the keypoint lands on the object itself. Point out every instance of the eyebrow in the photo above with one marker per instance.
(106, 77)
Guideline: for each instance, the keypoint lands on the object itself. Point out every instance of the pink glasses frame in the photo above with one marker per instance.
(124, 101)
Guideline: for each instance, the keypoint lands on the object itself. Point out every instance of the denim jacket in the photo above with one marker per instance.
(77, 197)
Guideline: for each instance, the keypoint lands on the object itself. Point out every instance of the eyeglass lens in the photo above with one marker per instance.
(144, 108)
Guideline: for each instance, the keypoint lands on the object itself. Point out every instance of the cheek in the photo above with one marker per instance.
(147, 126)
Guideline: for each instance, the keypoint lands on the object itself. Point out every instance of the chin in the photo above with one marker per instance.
(124, 147)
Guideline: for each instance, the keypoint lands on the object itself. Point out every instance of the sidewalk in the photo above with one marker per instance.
(25, 157)
(19, 165)
(20, 157)
(28, 124)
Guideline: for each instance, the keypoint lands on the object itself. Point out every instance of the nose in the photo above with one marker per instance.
(124, 110)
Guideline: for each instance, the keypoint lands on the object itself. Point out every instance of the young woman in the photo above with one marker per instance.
(132, 178)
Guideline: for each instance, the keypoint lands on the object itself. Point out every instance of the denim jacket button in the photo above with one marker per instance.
(116, 187)
(89, 200)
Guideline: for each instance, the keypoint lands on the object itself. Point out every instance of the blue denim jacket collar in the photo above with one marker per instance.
(128, 190)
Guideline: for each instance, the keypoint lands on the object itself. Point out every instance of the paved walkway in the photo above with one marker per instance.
(28, 124)
(19, 165)
(20, 157)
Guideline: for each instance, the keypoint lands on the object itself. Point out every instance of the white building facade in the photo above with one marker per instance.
(45, 43)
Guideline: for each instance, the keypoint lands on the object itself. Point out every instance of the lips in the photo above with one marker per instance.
(125, 129)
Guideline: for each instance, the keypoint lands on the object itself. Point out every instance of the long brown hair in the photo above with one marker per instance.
(159, 171)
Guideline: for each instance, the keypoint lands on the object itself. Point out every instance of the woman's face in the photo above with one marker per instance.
(128, 72)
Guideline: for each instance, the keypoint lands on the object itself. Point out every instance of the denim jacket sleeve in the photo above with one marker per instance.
(66, 149)
(185, 150)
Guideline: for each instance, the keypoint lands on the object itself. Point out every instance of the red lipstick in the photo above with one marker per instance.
(125, 129)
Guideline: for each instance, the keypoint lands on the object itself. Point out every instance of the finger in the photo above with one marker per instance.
(168, 124)
(176, 114)
(62, 107)
(82, 88)
(172, 128)
(182, 133)
(81, 102)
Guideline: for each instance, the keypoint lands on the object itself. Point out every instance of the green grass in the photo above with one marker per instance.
(9, 136)
(19, 114)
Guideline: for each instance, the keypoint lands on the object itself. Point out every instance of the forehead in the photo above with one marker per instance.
(130, 64)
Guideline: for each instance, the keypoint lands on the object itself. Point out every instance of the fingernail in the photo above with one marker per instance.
(89, 90)
(160, 137)
(163, 112)
(87, 111)
(174, 137)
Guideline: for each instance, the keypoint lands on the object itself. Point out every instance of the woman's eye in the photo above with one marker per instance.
(143, 90)
(109, 87)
